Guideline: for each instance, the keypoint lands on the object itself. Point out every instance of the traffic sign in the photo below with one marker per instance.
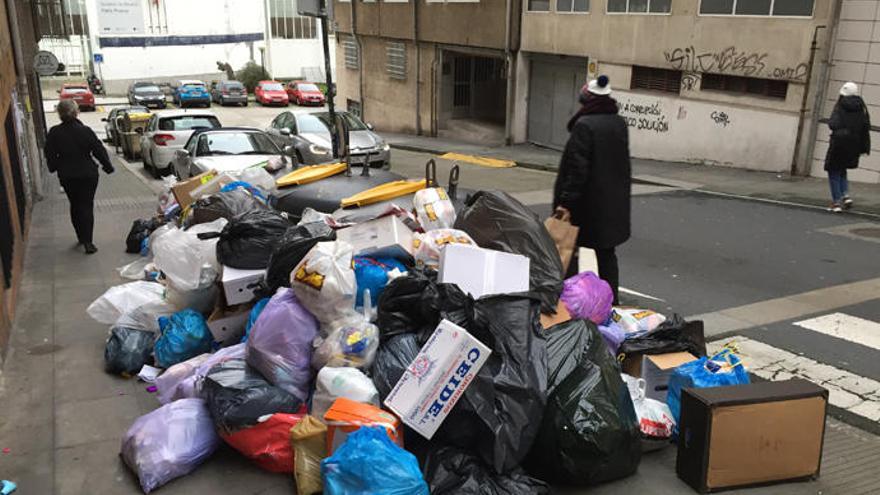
(45, 63)
(99, 58)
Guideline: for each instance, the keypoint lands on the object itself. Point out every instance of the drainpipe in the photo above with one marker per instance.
(267, 62)
(814, 46)
(822, 87)
(360, 50)
(508, 62)
(415, 11)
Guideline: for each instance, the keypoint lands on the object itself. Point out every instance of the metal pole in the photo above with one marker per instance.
(802, 116)
(331, 92)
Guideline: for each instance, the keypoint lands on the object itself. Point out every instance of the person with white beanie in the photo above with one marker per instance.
(850, 126)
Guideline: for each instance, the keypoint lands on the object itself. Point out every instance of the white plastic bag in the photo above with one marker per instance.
(258, 177)
(428, 246)
(136, 270)
(119, 300)
(637, 321)
(655, 418)
(333, 383)
(434, 209)
(182, 256)
(324, 283)
(146, 317)
(202, 299)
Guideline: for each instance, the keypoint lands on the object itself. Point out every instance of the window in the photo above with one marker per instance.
(651, 79)
(572, 5)
(395, 64)
(639, 6)
(770, 88)
(792, 8)
(539, 6)
(188, 123)
(352, 60)
(287, 24)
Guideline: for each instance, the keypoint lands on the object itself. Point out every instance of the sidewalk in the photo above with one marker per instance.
(802, 191)
(64, 417)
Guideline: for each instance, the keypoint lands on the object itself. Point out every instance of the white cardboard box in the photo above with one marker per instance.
(387, 236)
(658, 369)
(239, 285)
(437, 378)
(482, 272)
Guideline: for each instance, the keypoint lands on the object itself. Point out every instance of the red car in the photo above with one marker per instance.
(271, 93)
(305, 93)
(80, 93)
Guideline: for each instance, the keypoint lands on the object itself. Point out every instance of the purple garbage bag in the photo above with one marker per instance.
(588, 297)
(184, 380)
(169, 442)
(280, 345)
(613, 335)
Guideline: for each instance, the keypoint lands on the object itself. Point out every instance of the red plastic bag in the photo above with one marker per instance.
(267, 443)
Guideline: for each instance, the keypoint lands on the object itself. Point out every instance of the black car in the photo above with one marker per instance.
(146, 94)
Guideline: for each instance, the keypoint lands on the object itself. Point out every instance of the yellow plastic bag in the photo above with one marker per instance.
(309, 441)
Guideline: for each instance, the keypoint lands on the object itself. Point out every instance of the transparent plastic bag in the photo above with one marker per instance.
(257, 176)
(333, 383)
(324, 282)
(182, 256)
(434, 209)
(146, 317)
(119, 300)
(176, 383)
(136, 270)
(352, 345)
(429, 245)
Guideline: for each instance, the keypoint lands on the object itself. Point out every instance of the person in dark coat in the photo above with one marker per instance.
(850, 137)
(594, 181)
(71, 151)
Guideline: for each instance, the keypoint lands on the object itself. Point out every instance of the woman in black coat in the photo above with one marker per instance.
(850, 137)
(594, 179)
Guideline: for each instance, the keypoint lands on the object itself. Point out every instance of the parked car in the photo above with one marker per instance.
(230, 149)
(271, 93)
(190, 93)
(309, 135)
(229, 92)
(80, 93)
(305, 93)
(168, 132)
(110, 130)
(146, 94)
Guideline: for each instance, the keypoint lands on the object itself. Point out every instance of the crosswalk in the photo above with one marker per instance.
(859, 395)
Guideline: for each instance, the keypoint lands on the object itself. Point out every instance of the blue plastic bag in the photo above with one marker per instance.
(704, 373)
(372, 275)
(252, 318)
(370, 463)
(185, 335)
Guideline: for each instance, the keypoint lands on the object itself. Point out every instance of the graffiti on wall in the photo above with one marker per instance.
(720, 118)
(644, 116)
(731, 61)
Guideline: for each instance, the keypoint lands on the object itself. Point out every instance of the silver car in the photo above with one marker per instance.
(230, 149)
(168, 132)
(309, 135)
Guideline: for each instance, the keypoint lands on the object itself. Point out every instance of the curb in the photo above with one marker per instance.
(420, 149)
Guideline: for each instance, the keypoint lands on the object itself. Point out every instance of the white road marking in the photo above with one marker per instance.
(854, 393)
(587, 263)
(846, 327)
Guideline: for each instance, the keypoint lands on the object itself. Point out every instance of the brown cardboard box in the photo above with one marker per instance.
(182, 189)
(753, 434)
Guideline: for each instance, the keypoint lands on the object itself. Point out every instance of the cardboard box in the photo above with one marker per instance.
(437, 378)
(239, 285)
(228, 323)
(753, 434)
(182, 189)
(387, 236)
(693, 330)
(345, 416)
(483, 272)
(656, 371)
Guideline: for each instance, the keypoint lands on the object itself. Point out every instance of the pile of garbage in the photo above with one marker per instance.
(427, 351)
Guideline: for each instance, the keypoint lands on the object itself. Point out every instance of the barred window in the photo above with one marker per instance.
(285, 23)
(395, 64)
(352, 58)
(572, 5)
(639, 6)
(666, 80)
(770, 88)
(789, 8)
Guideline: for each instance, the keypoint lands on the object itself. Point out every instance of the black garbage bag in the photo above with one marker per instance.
(456, 472)
(291, 249)
(238, 396)
(393, 357)
(248, 240)
(673, 335)
(226, 205)
(495, 220)
(589, 432)
(128, 350)
(140, 230)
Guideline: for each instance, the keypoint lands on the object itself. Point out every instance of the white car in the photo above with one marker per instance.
(168, 132)
(230, 150)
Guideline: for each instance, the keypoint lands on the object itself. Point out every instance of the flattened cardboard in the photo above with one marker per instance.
(182, 189)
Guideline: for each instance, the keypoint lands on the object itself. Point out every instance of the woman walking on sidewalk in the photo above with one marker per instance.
(594, 178)
(71, 150)
(850, 137)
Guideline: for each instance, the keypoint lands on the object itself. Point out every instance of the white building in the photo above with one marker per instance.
(166, 40)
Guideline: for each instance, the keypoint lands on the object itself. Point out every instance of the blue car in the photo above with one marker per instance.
(191, 93)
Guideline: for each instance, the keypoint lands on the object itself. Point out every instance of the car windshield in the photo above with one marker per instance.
(199, 87)
(76, 90)
(307, 87)
(188, 123)
(235, 143)
(354, 123)
(273, 87)
(307, 122)
(233, 85)
(147, 89)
